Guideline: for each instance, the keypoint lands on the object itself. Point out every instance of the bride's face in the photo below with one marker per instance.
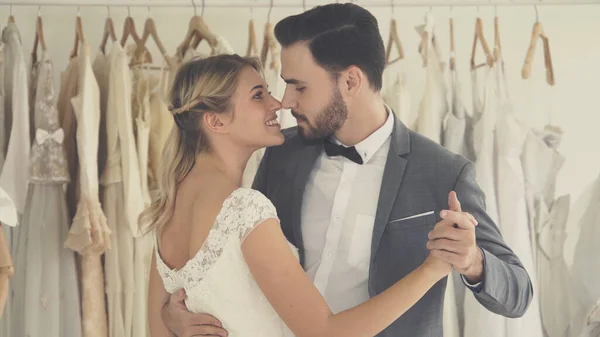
(253, 121)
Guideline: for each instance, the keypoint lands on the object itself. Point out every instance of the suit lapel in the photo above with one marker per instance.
(306, 163)
(392, 180)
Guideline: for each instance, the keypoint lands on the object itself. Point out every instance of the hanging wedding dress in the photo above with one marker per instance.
(89, 234)
(46, 294)
(142, 244)
(458, 124)
(161, 123)
(512, 206)
(69, 80)
(397, 95)
(479, 321)
(13, 177)
(455, 137)
(13, 173)
(433, 105)
(547, 221)
(100, 68)
(585, 269)
(122, 195)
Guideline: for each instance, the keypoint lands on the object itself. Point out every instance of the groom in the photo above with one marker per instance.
(362, 196)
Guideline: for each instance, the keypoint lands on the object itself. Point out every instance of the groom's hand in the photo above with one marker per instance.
(453, 240)
(183, 323)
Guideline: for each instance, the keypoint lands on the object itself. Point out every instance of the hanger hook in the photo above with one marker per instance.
(9, 9)
(537, 17)
(304, 5)
(202, 12)
(149, 11)
(194, 5)
(108, 10)
(39, 10)
(128, 11)
(78, 12)
(392, 1)
(269, 12)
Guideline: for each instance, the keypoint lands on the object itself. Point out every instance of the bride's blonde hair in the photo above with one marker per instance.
(200, 86)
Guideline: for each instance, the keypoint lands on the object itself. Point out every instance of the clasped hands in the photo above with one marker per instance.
(453, 240)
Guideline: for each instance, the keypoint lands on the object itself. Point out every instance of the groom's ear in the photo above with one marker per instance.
(353, 80)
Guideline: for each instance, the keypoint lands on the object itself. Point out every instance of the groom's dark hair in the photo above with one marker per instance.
(338, 36)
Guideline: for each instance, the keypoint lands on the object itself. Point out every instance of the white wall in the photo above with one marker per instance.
(573, 103)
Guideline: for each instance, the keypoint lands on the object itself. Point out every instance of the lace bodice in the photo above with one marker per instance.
(48, 158)
(217, 279)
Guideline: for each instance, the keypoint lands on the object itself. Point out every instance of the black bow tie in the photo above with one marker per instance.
(338, 150)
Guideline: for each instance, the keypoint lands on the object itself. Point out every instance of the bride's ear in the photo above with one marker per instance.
(216, 122)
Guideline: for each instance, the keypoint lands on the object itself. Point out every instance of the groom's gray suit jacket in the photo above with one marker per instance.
(417, 178)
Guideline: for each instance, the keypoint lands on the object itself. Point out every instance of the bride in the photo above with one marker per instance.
(223, 244)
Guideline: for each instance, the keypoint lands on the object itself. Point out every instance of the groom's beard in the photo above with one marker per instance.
(327, 123)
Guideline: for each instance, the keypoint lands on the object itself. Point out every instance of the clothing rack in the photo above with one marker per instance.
(296, 4)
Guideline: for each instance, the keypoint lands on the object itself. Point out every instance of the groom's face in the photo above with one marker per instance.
(312, 94)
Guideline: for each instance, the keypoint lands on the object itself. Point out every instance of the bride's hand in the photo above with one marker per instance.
(437, 267)
(183, 323)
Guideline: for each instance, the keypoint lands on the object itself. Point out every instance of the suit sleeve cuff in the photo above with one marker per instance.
(479, 285)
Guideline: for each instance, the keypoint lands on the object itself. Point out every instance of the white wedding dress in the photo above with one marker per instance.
(217, 279)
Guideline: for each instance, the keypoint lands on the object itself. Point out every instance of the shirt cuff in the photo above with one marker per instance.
(479, 285)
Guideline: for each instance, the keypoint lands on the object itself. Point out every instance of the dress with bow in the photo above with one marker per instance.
(46, 295)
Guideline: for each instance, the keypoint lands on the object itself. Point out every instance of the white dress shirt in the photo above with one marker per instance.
(338, 214)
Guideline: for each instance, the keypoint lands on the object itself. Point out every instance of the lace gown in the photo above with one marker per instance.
(217, 279)
(46, 294)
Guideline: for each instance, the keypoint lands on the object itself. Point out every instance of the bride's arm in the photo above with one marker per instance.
(157, 298)
(293, 295)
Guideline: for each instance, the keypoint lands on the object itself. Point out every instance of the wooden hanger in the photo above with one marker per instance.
(393, 40)
(197, 31)
(452, 55)
(497, 45)
(129, 30)
(269, 46)
(79, 36)
(537, 33)
(109, 31)
(479, 36)
(39, 38)
(252, 48)
(150, 31)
